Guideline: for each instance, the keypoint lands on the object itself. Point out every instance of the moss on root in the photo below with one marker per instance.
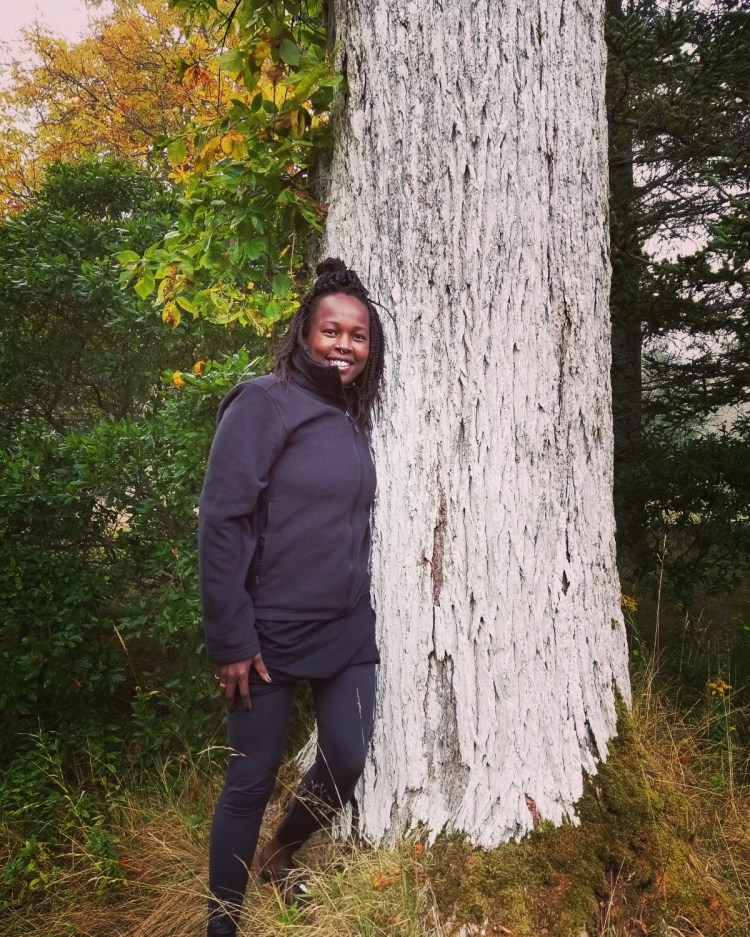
(628, 868)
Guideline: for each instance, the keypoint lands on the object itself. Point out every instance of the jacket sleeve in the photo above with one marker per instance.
(250, 435)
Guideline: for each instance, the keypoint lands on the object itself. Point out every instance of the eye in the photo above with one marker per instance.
(329, 331)
(361, 338)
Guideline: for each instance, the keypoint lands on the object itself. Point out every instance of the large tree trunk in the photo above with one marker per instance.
(469, 189)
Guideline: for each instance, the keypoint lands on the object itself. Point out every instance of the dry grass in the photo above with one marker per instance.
(162, 892)
(154, 885)
(695, 759)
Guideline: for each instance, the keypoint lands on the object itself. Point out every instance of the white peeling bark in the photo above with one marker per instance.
(468, 189)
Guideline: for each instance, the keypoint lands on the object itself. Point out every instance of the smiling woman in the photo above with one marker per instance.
(339, 335)
(284, 570)
(338, 293)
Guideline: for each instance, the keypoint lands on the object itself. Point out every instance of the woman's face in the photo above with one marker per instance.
(339, 335)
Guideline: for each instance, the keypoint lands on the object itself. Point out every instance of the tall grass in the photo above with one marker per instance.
(159, 886)
(693, 754)
(133, 863)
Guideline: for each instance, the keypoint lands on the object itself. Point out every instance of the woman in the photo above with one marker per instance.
(284, 553)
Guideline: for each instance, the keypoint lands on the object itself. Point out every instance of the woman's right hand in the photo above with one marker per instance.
(236, 676)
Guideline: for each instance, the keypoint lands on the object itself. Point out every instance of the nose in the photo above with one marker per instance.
(343, 344)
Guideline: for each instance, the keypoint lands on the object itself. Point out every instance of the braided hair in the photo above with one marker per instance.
(333, 276)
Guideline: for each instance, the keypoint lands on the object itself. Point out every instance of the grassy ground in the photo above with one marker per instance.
(663, 847)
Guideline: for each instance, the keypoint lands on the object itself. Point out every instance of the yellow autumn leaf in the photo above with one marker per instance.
(172, 315)
(233, 144)
(180, 174)
(208, 152)
(297, 123)
(113, 63)
(261, 52)
(177, 379)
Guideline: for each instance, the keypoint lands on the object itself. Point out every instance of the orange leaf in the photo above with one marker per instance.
(197, 75)
(381, 881)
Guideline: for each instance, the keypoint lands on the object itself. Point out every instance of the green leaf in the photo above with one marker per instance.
(232, 61)
(231, 171)
(145, 286)
(304, 81)
(127, 257)
(249, 77)
(256, 248)
(184, 303)
(281, 283)
(176, 152)
(288, 52)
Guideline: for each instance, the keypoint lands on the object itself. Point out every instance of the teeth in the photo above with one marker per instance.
(340, 364)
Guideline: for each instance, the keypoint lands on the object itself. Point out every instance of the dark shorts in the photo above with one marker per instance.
(315, 650)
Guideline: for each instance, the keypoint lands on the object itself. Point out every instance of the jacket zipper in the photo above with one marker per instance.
(347, 597)
(263, 547)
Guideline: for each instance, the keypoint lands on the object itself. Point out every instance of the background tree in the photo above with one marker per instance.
(75, 347)
(679, 176)
(134, 79)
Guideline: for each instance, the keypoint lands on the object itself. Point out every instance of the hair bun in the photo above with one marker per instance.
(331, 265)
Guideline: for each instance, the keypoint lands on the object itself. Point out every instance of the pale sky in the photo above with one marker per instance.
(64, 17)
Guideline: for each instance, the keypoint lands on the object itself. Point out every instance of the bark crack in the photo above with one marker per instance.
(438, 547)
(567, 325)
(533, 810)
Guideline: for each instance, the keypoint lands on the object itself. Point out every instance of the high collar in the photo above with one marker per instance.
(324, 381)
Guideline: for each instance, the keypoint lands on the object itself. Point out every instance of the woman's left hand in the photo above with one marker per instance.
(236, 677)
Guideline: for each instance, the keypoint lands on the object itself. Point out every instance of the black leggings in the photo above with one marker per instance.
(344, 707)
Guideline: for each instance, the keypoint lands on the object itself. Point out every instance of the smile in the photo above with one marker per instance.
(340, 363)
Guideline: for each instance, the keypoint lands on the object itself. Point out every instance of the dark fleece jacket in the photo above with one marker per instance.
(284, 520)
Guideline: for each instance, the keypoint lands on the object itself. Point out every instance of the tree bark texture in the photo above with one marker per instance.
(469, 190)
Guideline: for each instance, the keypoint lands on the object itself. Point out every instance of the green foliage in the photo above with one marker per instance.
(696, 496)
(102, 190)
(101, 464)
(99, 580)
(700, 639)
(100, 640)
(55, 575)
(75, 347)
(42, 805)
(245, 181)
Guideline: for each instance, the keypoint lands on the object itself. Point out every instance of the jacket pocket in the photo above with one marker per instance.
(255, 577)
